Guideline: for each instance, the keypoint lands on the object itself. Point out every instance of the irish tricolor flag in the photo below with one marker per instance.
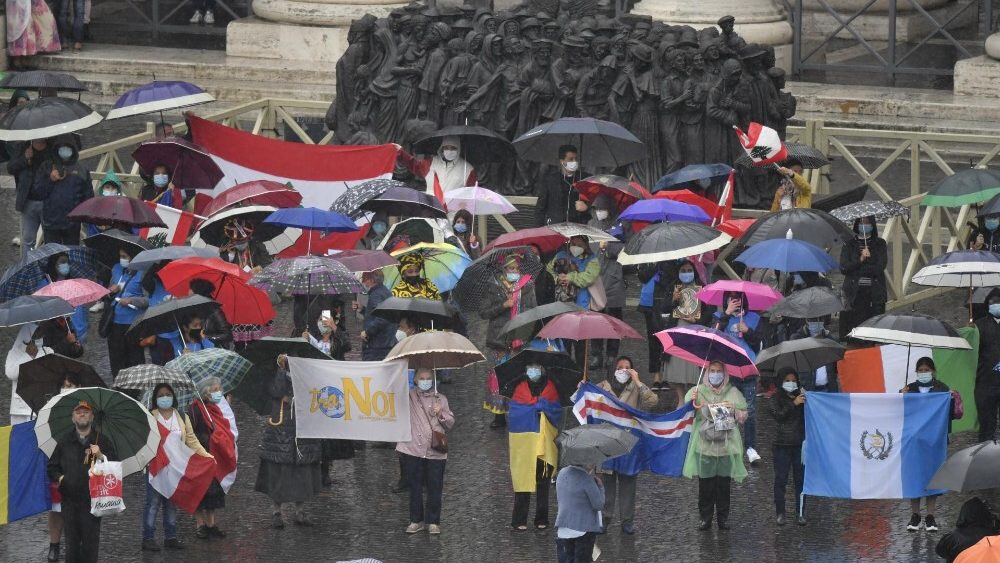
(178, 473)
(762, 144)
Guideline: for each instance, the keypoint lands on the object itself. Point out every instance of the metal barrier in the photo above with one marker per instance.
(155, 16)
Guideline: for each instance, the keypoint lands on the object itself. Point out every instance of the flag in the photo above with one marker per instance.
(24, 483)
(724, 211)
(439, 192)
(179, 225)
(222, 442)
(531, 427)
(663, 438)
(178, 473)
(874, 445)
(762, 144)
(319, 172)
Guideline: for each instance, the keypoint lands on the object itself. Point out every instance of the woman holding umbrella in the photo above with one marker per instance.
(159, 188)
(411, 281)
(584, 273)
(215, 326)
(862, 261)
(128, 302)
(986, 234)
(462, 225)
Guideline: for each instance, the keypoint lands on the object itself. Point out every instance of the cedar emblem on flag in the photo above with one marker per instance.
(762, 144)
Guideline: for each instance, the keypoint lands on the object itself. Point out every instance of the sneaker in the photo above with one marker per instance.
(433, 529)
(202, 532)
(780, 520)
(16, 241)
(173, 543)
(277, 522)
(209, 18)
(800, 520)
(196, 18)
(753, 456)
(414, 527)
(930, 524)
(97, 307)
(914, 524)
(150, 545)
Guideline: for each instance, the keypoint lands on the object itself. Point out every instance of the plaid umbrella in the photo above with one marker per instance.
(24, 277)
(143, 378)
(880, 210)
(262, 354)
(443, 264)
(107, 244)
(481, 279)
(227, 365)
(808, 156)
(307, 275)
(364, 260)
(350, 202)
(41, 379)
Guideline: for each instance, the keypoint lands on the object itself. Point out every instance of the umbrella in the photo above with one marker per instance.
(701, 173)
(965, 187)
(593, 444)
(735, 227)
(312, 218)
(986, 550)
(808, 157)
(811, 225)
(241, 303)
(600, 143)
(350, 202)
(478, 201)
(212, 230)
(190, 166)
(227, 365)
(880, 210)
(991, 207)
(479, 144)
(42, 80)
(42, 118)
(911, 329)
(159, 95)
(308, 275)
(405, 202)
(809, 303)
(31, 309)
(655, 210)
(523, 325)
(687, 196)
(253, 390)
(961, 268)
(145, 377)
(412, 231)
(436, 349)
(969, 469)
(561, 369)
(787, 255)
(116, 210)
(120, 419)
(480, 283)
(41, 378)
(701, 345)
(256, 192)
(621, 190)
(364, 260)
(107, 244)
(546, 239)
(166, 316)
(759, 296)
(803, 354)
(75, 291)
(428, 312)
(443, 264)
(24, 277)
(586, 326)
(147, 258)
(570, 230)
(671, 241)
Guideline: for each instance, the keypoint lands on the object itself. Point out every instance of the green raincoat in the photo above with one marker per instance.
(715, 458)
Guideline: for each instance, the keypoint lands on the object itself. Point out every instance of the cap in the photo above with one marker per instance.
(82, 405)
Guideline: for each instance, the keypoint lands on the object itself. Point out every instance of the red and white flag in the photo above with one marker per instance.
(725, 206)
(179, 225)
(178, 473)
(762, 144)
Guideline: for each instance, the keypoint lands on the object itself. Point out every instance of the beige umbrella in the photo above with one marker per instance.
(436, 349)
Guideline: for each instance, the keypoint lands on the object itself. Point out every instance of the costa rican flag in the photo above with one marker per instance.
(178, 473)
(663, 438)
(179, 225)
(762, 144)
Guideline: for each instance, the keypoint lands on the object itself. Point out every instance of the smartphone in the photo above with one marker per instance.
(326, 314)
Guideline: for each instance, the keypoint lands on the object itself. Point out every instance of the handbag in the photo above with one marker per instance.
(105, 481)
(439, 440)
(598, 297)
(107, 318)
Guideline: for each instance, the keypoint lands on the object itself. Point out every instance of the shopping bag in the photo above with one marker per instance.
(106, 487)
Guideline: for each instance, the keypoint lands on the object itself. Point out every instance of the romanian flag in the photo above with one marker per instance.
(531, 424)
(24, 484)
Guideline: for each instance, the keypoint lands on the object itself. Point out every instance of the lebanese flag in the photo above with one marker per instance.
(439, 192)
(178, 473)
(222, 443)
(762, 144)
(320, 173)
(179, 225)
(724, 210)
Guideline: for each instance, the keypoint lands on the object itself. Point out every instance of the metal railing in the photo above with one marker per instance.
(158, 16)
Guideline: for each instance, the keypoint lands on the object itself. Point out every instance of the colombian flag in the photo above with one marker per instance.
(532, 423)
(24, 485)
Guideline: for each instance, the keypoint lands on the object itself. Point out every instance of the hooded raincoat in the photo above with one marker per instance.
(711, 452)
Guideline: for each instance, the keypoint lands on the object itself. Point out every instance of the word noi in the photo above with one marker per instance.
(382, 404)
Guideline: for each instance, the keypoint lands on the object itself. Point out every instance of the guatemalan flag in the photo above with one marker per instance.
(762, 144)
(663, 438)
(874, 445)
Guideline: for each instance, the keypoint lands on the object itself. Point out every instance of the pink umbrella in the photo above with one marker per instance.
(75, 291)
(587, 325)
(760, 296)
(700, 345)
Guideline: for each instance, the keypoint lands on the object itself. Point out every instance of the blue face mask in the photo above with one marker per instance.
(160, 180)
(425, 384)
(815, 328)
(995, 309)
(460, 227)
(216, 396)
(534, 373)
(513, 277)
(164, 402)
(63, 269)
(124, 262)
(379, 227)
(925, 377)
(65, 152)
(686, 277)
(866, 229)
(991, 224)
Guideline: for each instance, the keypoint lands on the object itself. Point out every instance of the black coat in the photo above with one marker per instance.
(278, 443)
(63, 195)
(975, 521)
(854, 269)
(23, 172)
(380, 332)
(553, 191)
(216, 328)
(67, 462)
(988, 369)
(791, 429)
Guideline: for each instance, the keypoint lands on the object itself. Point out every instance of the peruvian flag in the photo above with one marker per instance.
(178, 473)
(762, 144)
(319, 172)
(179, 225)
(222, 443)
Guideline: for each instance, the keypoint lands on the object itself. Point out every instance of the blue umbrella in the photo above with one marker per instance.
(656, 210)
(24, 277)
(787, 255)
(692, 173)
(159, 95)
(312, 218)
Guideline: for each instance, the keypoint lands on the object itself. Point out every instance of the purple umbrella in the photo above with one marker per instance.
(701, 345)
(190, 166)
(405, 202)
(656, 210)
(159, 95)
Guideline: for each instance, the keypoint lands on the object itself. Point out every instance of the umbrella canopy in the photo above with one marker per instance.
(479, 144)
(911, 329)
(587, 325)
(212, 230)
(227, 365)
(349, 203)
(986, 550)
(478, 201)
(570, 230)
(524, 324)
(107, 244)
(991, 207)
(621, 190)
(42, 118)
(190, 166)
(809, 303)
(693, 173)
(24, 277)
(480, 284)
(443, 264)
(35, 80)
(546, 239)
(593, 444)
(787, 255)
(159, 95)
(412, 231)
(687, 196)
(436, 350)
(253, 390)
(965, 187)
(41, 379)
(364, 260)
(76, 291)
(600, 143)
(312, 218)
(166, 316)
(759, 296)
(241, 303)
(671, 241)
(120, 419)
(561, 369)
(147, 258)
(145, 377)
(969, 469)
(811, 225)
(880, 210)
(405, 202)
(116, 210)
(655, 210)
(255, 192)
(701, 345)
(307, 275)
(432, 313)
(961, 268)
(32, 309)
(804, 355)
(808, 156)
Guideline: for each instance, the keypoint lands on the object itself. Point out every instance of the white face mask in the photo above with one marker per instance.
(323, 329)
(576, 251)
(925, 377)
(108, 193)
(622, 375)
(425, 384)
(715, 378)
(400, 335)
(601, 214)
(789, 386)
(449, 155)
(571, 166)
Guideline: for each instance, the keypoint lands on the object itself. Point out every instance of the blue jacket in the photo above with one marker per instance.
(381, 333)
(580, 500)
(175, 340)
(159, 295)
(132, 281)
(750, 339)
(62, 196)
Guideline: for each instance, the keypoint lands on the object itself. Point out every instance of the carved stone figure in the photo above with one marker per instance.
(726, 106)
(673, 95)
(359, 37)
(594, 88)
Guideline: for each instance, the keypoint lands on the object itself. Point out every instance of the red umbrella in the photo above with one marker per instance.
(364, 260)
(313, 242)
(116, 210)
(687, 196)
(76, 291)
(621, 190)
(735, 227)
(587, 325)
(241, 303)
(546, 239)
(257, 192)
(190, 166)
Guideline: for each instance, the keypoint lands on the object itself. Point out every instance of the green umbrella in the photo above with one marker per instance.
(125, 423)
(262, 354)
(965, 187)
(227, 365)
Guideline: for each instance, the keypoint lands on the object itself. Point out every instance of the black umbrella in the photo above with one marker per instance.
(970, 469)
(808, 156)
(353, 198)
(430, 313)
(480, 282)
(991, 207)
(41, 379)
(166, 316)
(600, 143)
(150, 257)
(525, 324)
(107, 244)
(42, 80)
(811, 225)
(262, 354)
(33, 309)
(405, 202)
(46, 117)
(803, 355)
(479, 144)
(809, 303)
(911, 329)
(559, 368)
(24, 277)
(672, 240)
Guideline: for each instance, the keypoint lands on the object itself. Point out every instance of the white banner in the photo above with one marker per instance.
(351, 400)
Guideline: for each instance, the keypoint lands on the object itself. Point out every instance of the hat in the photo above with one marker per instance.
(111, 178)
(412, 259)
(83, 405)
(530, 23)
(751, 51)
(642, 52)
(573, 41)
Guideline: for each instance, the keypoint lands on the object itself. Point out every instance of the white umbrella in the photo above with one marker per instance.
(478, 201)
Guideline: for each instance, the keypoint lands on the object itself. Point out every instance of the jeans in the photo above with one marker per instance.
(576, 550)
(787, 458)
(713, 496)
(83, 532)
(31, 221)
(748, 387)
(523, 500)
(153, 502)
(63, 14)
(621, 489)
(422, 472)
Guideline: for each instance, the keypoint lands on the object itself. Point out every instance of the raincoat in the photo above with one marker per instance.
(715, 458)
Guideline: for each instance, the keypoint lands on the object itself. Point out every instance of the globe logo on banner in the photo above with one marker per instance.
(328, 400)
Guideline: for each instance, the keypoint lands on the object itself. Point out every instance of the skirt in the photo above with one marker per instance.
(680, 372)
(288, 482)
(215, 497)
(40, 36)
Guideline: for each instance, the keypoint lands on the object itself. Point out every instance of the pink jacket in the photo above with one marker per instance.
(421, 421)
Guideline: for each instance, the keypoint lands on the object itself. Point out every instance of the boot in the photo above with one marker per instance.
(53, 552)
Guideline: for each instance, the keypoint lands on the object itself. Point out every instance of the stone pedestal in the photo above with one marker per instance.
(873, 24)
(978, 76)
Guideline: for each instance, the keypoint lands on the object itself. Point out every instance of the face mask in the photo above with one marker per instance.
(925, 377)
(425, 384)
(576, 251)
(160, 180)
(534, 373)
(995, 309)
(513, 277)
(449, 155)
(686, 277)
(991, 224)
(815, 328)
(164, 402)
(124, 262)
(65, 153)
(323, 328)
(865, 229)
(797, 280)
(789, 386)
(379, 227)
(460, 227)
(400, 335)
(602, 214)
(63, 269)
(715, 378)
(571, 166)
(216, 396)
(108, 193)
(241, 246)
(412, 280)
(195, 333)
(622, 375)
